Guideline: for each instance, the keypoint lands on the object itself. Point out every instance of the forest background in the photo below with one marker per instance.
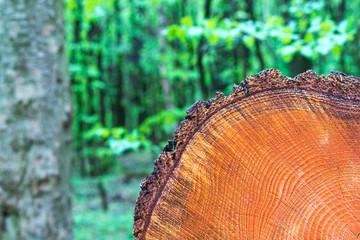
(136, 65)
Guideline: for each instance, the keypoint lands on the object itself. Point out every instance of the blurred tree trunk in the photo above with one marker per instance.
(133, 79)
(299, 64)
(250, 10)
(80, 106)
(200, 54)
(116, 73)
(162, 68)
(35, 122)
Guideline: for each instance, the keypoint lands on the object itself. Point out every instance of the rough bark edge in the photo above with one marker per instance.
(336, 84)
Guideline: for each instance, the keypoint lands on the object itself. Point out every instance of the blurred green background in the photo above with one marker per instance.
(136, 65)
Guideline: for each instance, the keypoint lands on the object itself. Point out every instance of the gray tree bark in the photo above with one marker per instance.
(35, 122)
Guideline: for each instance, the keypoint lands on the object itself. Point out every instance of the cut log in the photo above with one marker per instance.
(277, 159)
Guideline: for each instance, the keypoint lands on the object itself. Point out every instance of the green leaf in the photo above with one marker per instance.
(93, 71)
(324, 46)
(309, 37)
(306, 51)
(90, 119)
(118, 132)
(350, 37)
(97, 132)
(275, 20)
(287, 58)
(213, 38)
(75, 68)
(172, 32)
(187, 21)
(181, 34)
(120, 146)
(211, 23)
(326, 26)
(155, 2)
(339, 39)
(342, 26)
(303, 23)
(195, 31)
(222, 33)
(288, 52)
(286, 40)
(315, 25)
(105, 133)
(229, 42)
(249, 41)
(336, 51)
(98, 84)
(287, 30)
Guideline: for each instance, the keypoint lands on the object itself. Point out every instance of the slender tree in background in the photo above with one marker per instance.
(35, 122)
(200, 56)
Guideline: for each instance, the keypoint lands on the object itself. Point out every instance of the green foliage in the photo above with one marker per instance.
(136, 65)
(107, 144)
(307, 32)
(125, 54)
(165, 122)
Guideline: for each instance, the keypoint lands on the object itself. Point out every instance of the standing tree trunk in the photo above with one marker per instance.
(165, 83)
(199, 63)
(250, 10)
(35, 122)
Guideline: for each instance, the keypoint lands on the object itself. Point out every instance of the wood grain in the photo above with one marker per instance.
(277, 160)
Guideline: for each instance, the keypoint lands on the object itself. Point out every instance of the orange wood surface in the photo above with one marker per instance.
(279, 164)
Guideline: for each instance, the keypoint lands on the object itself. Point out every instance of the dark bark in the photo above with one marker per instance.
(207, 8)
(103, 196)
(164, 80)
(250, 10)
(299, 64)
(117, 73)
(78, 125)
(200, 66)
(132, 71)
(246, 63)
(340, 17)
(199, 63)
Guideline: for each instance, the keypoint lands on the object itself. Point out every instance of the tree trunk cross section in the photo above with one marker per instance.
(277, 160)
